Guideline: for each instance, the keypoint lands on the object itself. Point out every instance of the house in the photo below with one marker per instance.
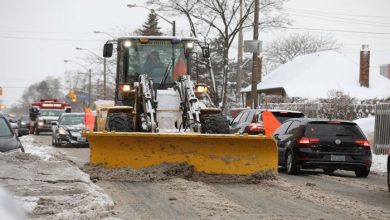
(314, 75)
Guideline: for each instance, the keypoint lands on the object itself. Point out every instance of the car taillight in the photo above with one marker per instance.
(306, 140)
(256, 127)
(364, 143)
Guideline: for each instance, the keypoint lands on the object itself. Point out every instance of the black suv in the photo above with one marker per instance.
(250, 120)
(321, 143)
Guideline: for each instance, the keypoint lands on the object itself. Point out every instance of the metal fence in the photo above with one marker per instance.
(382, 129)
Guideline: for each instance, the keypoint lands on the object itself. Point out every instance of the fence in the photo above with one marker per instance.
(382, 129)
(323, 110)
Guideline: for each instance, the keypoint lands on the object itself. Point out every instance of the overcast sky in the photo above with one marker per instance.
(37, 35)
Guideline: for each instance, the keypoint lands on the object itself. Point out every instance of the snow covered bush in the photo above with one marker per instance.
(338, 105)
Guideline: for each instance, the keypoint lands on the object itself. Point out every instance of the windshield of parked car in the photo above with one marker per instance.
(333, 130)
(51, 113)
(4, 129)
(72, 120)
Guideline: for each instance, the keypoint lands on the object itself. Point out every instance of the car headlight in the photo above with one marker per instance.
(61, 131)
(40, 123)
(23, 123)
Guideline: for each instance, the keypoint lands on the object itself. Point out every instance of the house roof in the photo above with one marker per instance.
(314, 75)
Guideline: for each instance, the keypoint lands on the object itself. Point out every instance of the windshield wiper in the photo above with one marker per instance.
(164, 79)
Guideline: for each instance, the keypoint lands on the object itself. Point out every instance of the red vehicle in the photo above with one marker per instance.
(44, 112)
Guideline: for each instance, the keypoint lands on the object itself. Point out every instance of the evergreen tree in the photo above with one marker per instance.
(150, 28)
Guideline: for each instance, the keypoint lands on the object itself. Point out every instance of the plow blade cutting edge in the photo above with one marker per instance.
(209, 153)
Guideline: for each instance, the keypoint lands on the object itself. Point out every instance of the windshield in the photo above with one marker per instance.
(51, 113)
(154, 59)
(72, 120)
(4, 129)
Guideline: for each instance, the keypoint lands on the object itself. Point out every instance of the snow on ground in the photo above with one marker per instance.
(379, 162)
(49, 187)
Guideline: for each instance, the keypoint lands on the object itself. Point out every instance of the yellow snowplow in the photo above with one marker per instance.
(157, 116)
(209, 153)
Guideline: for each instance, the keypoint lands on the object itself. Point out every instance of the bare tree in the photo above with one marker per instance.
(285, 49)
(221, 19)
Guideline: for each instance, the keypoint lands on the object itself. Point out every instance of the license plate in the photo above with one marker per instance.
(81, 139)
(337, 157)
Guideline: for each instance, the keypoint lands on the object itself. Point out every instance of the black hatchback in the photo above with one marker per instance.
(320, 143)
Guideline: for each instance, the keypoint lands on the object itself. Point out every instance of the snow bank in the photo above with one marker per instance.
(379, 162)
(38, 149)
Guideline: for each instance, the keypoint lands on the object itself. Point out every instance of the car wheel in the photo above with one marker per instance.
(328, 171)
(291, 167)
(362, 172)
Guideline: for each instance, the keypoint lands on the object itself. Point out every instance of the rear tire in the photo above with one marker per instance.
(119, 122)
(291, 167)
(362, 172)
(215, 124)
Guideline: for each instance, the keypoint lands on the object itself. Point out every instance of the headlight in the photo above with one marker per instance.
(23, 123)
(200, 89)
(61, 131)
(127, 43)
(190, 45)
(125, 88)
(40, 123)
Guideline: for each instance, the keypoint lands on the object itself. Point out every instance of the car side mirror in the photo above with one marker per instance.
(54, 123)
(107, 50)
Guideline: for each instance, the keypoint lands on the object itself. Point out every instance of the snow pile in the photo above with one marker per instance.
(49, 187)
(379, 162)
(39, 149)
(313, 75)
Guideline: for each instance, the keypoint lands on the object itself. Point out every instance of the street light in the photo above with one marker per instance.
(89, 83)
(173, 23)
(102, 32)
(104, 68)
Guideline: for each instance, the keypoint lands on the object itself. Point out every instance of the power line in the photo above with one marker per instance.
(335, 30)
(342, 14)
(343, 20)
(48, 39)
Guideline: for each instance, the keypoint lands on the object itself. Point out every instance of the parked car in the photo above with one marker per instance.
(67, 131)
(24, 125)
(13, 122)
(250, 120)
(321, 143)
(8, 138)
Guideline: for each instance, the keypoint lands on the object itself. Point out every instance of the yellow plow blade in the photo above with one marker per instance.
(209, 153)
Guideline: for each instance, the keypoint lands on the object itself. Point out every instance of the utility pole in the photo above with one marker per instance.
(239, 57)
(89, 88)
(255, 58)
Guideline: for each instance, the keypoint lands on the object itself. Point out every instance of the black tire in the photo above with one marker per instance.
(119, 122)
(362, 172)
(215, 124)
(291, 167)
(328, 170)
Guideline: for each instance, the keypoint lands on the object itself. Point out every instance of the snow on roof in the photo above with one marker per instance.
(314, 75)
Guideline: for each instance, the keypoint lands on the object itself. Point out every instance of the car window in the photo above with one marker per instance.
(333, 130)
(4, 129)
(249, 119)
(283, 128)
(293, 127)
(243, 117)
(237, 118)
(283, 116)
(72, 120)
(50, 113)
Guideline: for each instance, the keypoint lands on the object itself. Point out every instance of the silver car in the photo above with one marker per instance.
(67, 131)
(8, 138)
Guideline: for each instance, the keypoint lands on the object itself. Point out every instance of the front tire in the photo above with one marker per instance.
(291, 167)
(214, 124)
(119, 122)
(362, 172)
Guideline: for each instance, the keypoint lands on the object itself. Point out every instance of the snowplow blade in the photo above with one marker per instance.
(214, 154)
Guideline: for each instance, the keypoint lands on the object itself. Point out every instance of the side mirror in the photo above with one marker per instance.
(206, 51)
(54, 123)
(107, 50)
